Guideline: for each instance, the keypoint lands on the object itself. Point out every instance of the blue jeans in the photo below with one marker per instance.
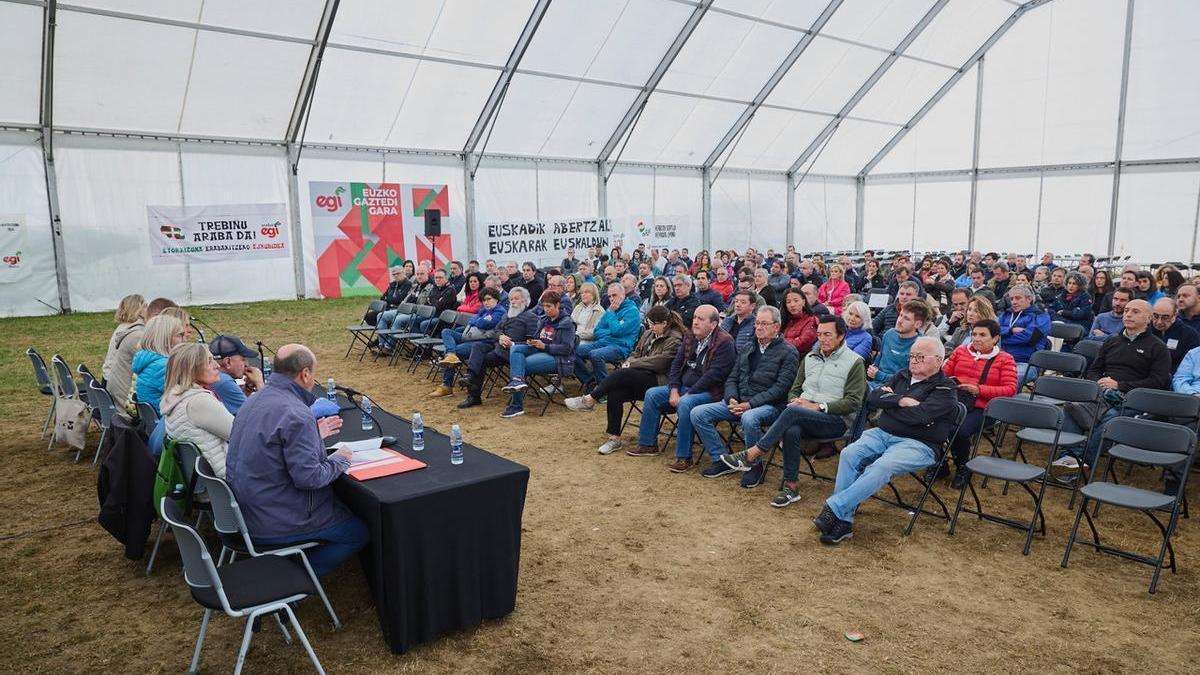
(428, 324)
(598, 356)
(1022, 368)
(463, 351)
(869, 463)
(655, 402)
(450, 338)
(340, 542)
(522, 363)
(792, 426)
(706, 417)
(392, 319)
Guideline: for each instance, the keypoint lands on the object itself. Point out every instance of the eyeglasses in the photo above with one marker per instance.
(764, 323)
(1163, 317)
(920, 358)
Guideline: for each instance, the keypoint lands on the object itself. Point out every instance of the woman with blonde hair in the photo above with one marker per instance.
(184, 318)
(117, 371)
(978, 309)
(150, 363)
(587, 313)
(192, 412)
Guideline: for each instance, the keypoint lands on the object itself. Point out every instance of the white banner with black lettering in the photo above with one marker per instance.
(218, 232)
(545, 242)
(14, 263)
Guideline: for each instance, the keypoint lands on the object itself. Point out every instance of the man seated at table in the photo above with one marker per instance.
(697, 376)
(551, 349)
(917, 416)
(518, 326)
(824, 400)
(231, 354)
(755, 392)
(612, 340)
(278, 469)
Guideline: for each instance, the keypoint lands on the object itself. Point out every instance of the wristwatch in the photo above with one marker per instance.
(824, 408)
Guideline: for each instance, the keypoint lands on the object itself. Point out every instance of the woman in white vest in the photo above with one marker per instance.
(192, 412)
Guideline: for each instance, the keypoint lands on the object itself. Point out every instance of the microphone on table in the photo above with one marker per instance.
(350, 392)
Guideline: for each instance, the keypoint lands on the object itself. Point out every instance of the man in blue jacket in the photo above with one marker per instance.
(280, 473)
(1024, 328)
(615, 335)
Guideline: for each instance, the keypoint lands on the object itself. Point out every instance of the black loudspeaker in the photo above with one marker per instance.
(433, 222)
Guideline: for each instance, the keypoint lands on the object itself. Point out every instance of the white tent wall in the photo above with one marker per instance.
(749, 210)
(1158, 214)
(927, 214)
(657, 195)
(825, 212)
(23, 193)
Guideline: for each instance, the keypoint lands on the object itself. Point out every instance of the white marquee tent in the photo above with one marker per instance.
(1065, 125)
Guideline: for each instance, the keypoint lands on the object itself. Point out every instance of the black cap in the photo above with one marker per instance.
(227, 345)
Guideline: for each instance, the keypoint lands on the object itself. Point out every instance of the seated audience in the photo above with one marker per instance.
(982, 372)
(660, 294)
(519, 325)
(896, 344)
(1187, 301)
(587, 312)
(740, 322)
(906, 292)
(683, 302)
(1111, 322)
(278, 469)
(441, 297)
(1166, 326)
(857, 318)
(191, 411)
(1101, 290)
(917, 416)
(1146, 288)
(150, 362)
(979, 308)
(1024, 328)
(833, 292)
(396, 290)
(799, 322)
(723, 285)
(551, 350)
(231, 354)
(871, 278)
(469, 303)
(393, 319)
(117, 372)
(705, 294)
(959, 299)
(458, 342)
(613, 339)
(646, 367)
(1074, 304)
(764, 290)
(823, 401)
(755, 392)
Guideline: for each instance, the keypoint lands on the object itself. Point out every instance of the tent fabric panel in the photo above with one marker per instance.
(731, 222)
(1162, 204)
(879, 23)
(559, 118)
(902, 90)
(440, 106)
(825, 76)
(959, 30)
(888, 215)
(23, 193)
(1164, 93)
(1006, 213)
(852, 145)
(943, 138)
(773, 139)
(825, 214)
(768, 212)
(679, 130)
(941, 215)
(21, 54)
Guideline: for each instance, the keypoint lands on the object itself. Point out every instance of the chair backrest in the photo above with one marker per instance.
(1162, 403)
(187, 452)
(227, 517)
(374, 308)
(448, 317)
(425, 311)
(65, 381)
(1067, 388)
(405, 308)
(86, 378)
(1021, 412)
(1088, 349)
(463, 319)
(1064, 362)
(148, 417)
(39, 369)
(1066, 331)
(1161, 437)
(198, 568)
(101, 400)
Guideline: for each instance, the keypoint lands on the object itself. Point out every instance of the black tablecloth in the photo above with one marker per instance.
(445, 540)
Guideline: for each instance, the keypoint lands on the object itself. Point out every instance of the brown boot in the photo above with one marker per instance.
(450, 360)
(441, 391)
(643, 451)
(680, 465)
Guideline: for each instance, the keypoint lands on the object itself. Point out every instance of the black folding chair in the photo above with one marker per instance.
(45, 386)
(810, 469)
(186, 453)
(63, 384)
(461, 320)
(549, 387)
(251, 588)
(362, 334)
(1163, 406)
(403, 347)
(1145, 442)
(1056, 390)
(1017, 412)
(1064, 363)
(920, 475)
(1088, 349)
(422, 347)
(1069, 333)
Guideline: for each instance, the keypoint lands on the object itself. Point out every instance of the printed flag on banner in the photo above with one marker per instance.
(14, 263)
(362, 229)
(216, 233)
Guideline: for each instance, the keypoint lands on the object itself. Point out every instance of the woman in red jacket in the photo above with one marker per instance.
(799, 322)
(833, 292)
(722, 285)
(981, 369)
(471, 302)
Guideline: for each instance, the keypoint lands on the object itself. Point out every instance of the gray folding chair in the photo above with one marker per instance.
(186, 453)
(362, 334)
(1017, 412)
(45, 386)
(147, 418)
(1088, 349)
(101, 402)
(1065, 363)
(235, 536)
(64, 386)
(1069, 333)
(1139, 441)
(251, 588)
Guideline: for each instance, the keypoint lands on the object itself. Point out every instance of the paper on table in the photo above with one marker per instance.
(374, 455)
(358, 446)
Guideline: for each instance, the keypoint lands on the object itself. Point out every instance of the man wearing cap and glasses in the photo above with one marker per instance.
(231, 354)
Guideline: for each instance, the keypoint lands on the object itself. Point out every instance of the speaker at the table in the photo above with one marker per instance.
(433, 222)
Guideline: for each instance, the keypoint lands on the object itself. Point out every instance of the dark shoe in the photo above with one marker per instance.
(754, 477)
(961, 475)
(680, 465)
(824, 520)
(515, 384)
(465, 381)
(469, 402)
(786, 496)
(716, 470)
(512, 411)
(840, 531)
(825, 451)
(644, 451)
(936, 473)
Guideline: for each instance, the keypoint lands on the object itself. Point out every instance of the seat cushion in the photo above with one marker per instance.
(1046, 437)
(251, 582)
(1129, 453)
(1127, 496)
(1004, 469)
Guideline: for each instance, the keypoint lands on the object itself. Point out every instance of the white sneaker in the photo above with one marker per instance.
(579, 404)
(1067, 462)
(551, 390)
(610, 446)
(1065, 468)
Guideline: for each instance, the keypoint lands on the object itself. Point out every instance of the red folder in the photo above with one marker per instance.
(398, 463)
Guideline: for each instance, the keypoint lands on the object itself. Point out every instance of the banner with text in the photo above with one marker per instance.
(656, 231)
(546, 242)
(217, 233)
(14, 263)
(362, 229)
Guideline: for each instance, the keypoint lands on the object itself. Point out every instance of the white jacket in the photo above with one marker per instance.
(198, 416)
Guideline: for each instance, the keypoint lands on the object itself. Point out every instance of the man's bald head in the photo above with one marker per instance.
(1136, 316)
(292, 360)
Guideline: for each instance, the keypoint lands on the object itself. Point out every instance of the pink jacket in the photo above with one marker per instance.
(832, 294)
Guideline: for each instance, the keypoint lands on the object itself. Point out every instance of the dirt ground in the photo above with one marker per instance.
(625, 567)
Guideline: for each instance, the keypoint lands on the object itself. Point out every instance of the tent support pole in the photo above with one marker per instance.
(860, 184)
(706, 208)
(975, 152)
(790, 232)
(293, 157)
(1116, 190)
(49, 24)
(469, 198)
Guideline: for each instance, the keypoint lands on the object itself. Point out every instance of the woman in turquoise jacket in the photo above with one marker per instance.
(150, 362)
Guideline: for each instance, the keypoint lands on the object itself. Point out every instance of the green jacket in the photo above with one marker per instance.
(838, 380)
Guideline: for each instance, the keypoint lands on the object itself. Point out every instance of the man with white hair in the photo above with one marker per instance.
(917, 416)
(519, 325)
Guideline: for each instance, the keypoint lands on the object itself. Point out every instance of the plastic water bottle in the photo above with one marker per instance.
(266, 369)
(456, 454)
(418, 444)
(368, 422)
(330, 390)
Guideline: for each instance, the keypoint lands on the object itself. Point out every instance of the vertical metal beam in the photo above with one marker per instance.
(790, 231)
(774, 80)
(975, 152)
(1116, 191)
(469, 208)
(308, 83)
(492, 106)
(705, 208)
(46, 122)
(626, 123)
(869, 84)
(949, 84)
(293, 159)
(860, 185)
(601, 190)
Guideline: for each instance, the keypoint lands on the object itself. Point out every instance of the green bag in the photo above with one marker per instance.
(168, 479)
